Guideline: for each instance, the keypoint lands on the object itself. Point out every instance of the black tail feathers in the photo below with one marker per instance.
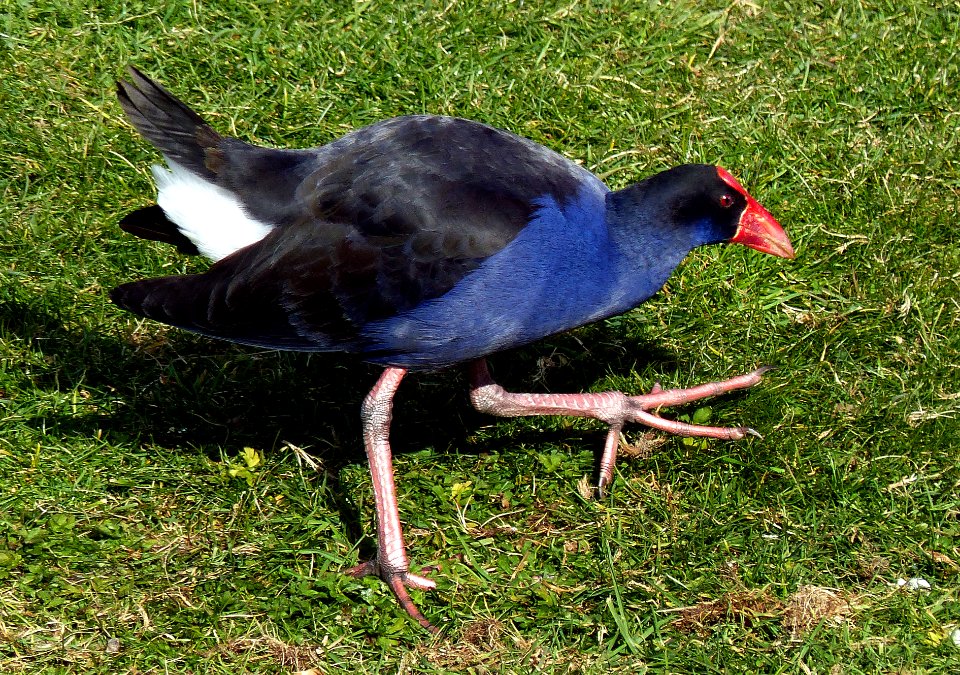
(176, 130)
(151, 223)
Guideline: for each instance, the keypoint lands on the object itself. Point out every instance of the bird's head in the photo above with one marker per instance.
(696, 204)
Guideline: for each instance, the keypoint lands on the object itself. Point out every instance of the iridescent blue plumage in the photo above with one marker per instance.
(561, 271)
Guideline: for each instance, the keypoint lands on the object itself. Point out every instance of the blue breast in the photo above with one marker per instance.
(563, 270)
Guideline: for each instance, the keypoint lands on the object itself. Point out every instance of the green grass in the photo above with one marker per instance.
(134, 535)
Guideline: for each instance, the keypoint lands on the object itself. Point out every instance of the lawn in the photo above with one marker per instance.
(174, 504)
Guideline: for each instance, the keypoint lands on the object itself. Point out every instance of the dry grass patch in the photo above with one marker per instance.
(811, 606)
(643, 445)
(807, 608)
(479, 647)
(295, 658)
(490, 646)
(743, 607)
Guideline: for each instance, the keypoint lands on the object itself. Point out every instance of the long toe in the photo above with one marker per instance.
(398, 583)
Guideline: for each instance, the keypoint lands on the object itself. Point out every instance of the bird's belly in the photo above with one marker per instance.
(489, 312)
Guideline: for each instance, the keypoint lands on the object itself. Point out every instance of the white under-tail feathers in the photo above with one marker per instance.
(208, 215)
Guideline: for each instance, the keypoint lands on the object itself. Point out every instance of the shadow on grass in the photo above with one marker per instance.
(183, 392)
(180, 389)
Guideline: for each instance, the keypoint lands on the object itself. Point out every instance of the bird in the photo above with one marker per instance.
(419, 243)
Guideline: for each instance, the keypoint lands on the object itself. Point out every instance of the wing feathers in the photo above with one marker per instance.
(368, 227)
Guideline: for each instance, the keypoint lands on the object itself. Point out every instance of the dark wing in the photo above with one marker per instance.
(310, 286)
(368, 226)
(275, 293)
(436, 196)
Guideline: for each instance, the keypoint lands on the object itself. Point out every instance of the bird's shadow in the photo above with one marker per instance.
(180, 391)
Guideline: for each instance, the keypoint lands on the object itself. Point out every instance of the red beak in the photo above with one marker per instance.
(757, 228)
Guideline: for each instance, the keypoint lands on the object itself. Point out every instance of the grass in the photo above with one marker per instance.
(138, 535)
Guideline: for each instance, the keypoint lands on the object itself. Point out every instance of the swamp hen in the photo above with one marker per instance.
(418, 243)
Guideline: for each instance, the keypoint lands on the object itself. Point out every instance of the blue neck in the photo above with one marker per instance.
(648, 248)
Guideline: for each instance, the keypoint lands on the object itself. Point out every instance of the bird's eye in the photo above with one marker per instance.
(726, 201)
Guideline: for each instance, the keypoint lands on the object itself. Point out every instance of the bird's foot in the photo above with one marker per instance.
(612, 407)
(638, 407)
(398, 580)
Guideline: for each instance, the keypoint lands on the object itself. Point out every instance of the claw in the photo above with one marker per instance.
(609, 458)
(752, 432)
(398, 583)
(601, 488)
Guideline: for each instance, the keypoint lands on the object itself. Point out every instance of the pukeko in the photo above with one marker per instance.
(417, 243)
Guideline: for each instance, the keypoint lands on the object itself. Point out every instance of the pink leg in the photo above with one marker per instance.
(612, 407)
(391, 563)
